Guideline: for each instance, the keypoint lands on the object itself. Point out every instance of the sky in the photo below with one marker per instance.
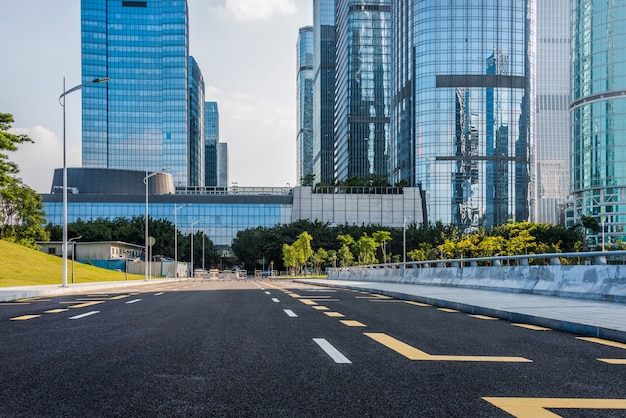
(246, 50)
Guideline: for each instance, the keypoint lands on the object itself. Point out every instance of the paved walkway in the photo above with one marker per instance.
(578, 316)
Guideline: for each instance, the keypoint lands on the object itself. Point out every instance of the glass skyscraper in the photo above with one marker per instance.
(463, 104)
(362, 89)
(304, 138)
(323, 90)
(552, 124)
(598, 114)
(211, 138)
(196, 129)
(139, 119)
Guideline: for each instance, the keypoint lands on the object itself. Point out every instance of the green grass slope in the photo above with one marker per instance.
(21, 266)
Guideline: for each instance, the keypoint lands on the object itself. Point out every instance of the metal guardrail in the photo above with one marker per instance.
(590, 257)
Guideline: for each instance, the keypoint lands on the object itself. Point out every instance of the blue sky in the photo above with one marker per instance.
(246, 50)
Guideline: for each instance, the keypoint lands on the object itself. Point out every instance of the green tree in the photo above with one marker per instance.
(318, 259)
(365, 248)
(344, 253)
(382, 238)
(289, 257)
(303, 250)
(22, 217)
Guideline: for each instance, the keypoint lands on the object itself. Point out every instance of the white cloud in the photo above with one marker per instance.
(252, 10)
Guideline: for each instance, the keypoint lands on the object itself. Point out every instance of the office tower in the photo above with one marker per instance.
(139, 120)
(552, 124)
(196, 125)
(598, 81)
(222, 164)
(323, 89)
(362, 89)
(211, 138)
(471, 114)
(304, 102)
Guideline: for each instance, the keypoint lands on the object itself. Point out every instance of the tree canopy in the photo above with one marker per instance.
(22, 217)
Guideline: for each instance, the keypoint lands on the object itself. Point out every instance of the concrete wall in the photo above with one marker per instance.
(598, 282)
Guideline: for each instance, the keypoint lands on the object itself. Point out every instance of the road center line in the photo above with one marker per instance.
(159, 294)
(275, 300)
(84, 315)
(331, 351)
(267, 292)
(290, 313)
(133, 301)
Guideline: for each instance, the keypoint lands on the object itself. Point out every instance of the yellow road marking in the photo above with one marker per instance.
(334, 314)
(320, 308)
(537, 407)
(485, 317)
(533, 327)
(86, 304)
(119, 297)
(351, 323)
(603, 342)
(294, 295)
(24, 317)
(410, 302)
(57, 310)
(447, 310)
(308, 302)
(413, 353)
(613, 360)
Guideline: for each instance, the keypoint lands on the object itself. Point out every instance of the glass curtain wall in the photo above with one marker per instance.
(598, 116)
(304, 79)
(138, 121)
(211, 138)
(471, 67)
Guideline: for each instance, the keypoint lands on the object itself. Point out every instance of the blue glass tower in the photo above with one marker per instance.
(323, 90)
(463, 107)
(598, 109)
(362, 89)
(196, 124)
(211, 138)
(139, 121)
(304, 139)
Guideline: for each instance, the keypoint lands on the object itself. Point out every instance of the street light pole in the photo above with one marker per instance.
(73, 241)
(145, 180)
(176, 239)
(62, 103)
(406, 218)
(191, 270)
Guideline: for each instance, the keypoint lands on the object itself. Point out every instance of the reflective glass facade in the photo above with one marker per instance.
(139, 119)
(323, 90)
(304, 103)
(220, 221)
(196, 125)
(598, 113)
(471, 67)
(362, 89)
(553, 90)
(211, 138)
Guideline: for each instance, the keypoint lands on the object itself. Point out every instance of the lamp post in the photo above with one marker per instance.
(191, 270)
(62, 103)
(406, 218)
(73, 241)
(145, 180)
(176, 239)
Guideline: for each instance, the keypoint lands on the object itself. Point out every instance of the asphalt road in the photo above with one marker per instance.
(281, 349)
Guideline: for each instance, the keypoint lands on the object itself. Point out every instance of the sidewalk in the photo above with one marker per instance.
(8, 294)
(578, 316)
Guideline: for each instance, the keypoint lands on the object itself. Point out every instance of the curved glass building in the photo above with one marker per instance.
(304, 103)
(463, 100)
(598, 114)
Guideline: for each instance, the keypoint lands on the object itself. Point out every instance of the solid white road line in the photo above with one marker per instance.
(84, 315)
(290, 313)
(133, 301)
(331, 351)
(159, 294)
(275, 300)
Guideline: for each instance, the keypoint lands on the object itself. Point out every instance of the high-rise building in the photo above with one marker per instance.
(211, 139)
(304, 104)
(598, 109)
(196, 128)
(222, 164)
(362, 89)
(323, 90)
(552, 124)
(469, 123)
(140, 119)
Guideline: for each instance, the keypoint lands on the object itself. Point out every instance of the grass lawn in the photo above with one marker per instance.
(21, 266)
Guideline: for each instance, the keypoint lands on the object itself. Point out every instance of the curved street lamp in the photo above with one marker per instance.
(145, 180)
(62, 103)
